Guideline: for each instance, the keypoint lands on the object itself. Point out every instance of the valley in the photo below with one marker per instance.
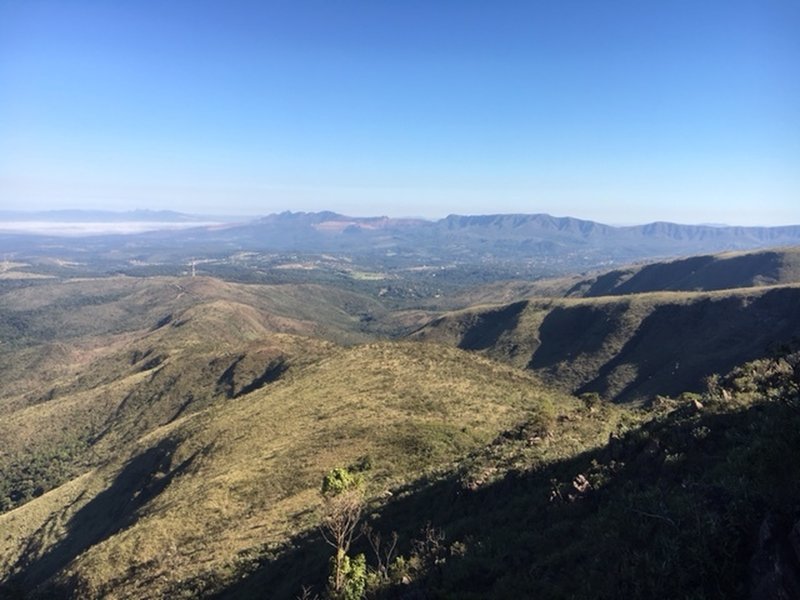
(165, 434)
(399, 300)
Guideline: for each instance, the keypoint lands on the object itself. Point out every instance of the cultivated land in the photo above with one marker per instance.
(623, 432)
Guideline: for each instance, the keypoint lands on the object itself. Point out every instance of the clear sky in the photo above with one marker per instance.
(622, 111)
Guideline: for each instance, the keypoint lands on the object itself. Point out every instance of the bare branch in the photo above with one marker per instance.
(653, 516)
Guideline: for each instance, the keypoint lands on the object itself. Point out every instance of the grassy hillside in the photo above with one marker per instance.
(69, 309)
(699, 501)
(630, 348)
(88, 365)
(730, 270)
(167, 437)
(64, 425)
(242, 476)
(698, 273)
(497, 489)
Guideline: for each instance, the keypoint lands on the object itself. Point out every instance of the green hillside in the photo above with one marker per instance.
(698, 273)
(65, 310)
(167, 438)
(88, 365)
(698, 501)
(496, 487)
(729, 270)
(630, 348)
(242, 476)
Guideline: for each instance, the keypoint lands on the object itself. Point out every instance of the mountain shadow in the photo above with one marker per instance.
(678, 345)
(704, 273)
(487, 327)
(669, 510)
(112, 510)
(567, 332)
(229, 385)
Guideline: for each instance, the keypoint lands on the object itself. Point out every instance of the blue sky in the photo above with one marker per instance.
(617, 111)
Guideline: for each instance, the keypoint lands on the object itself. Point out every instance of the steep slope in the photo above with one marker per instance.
(698, 501)
(88, 365)
(698, 273)
(53, 329)
(170, 441)
(170, 514)
(632, 348)
(535, 499)
(210, 353)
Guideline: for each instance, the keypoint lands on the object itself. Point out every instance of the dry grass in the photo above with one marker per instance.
(127, 361)
(245, 474)
(628, 347)
(188, 469)
(729, 270)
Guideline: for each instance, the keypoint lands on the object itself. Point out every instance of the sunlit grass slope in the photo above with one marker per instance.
(66, 310)
(67, 422)
(184, 501)
(91, 364)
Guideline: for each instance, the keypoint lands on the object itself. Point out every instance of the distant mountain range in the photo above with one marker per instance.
(500, 233)
(555, 244)
(562, 242)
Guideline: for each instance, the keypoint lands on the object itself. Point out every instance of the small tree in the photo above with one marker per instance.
(343, 493)
(384, 553)
(354, 578)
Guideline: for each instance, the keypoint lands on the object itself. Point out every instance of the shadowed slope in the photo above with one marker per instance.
(698, 273)
(697, 501)
(141, 479)
(730, 270)
(258, 459)
(674, 506)
(629, 349)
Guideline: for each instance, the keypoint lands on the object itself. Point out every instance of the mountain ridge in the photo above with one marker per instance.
(627, 348)
(470, 249)
(507, 222)
(729, 270)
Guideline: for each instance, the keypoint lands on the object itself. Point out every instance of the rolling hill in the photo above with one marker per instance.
(631, 347)
(498, 470)
(243, 474)
(167, 437)
(109, 359)
(698, 273)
